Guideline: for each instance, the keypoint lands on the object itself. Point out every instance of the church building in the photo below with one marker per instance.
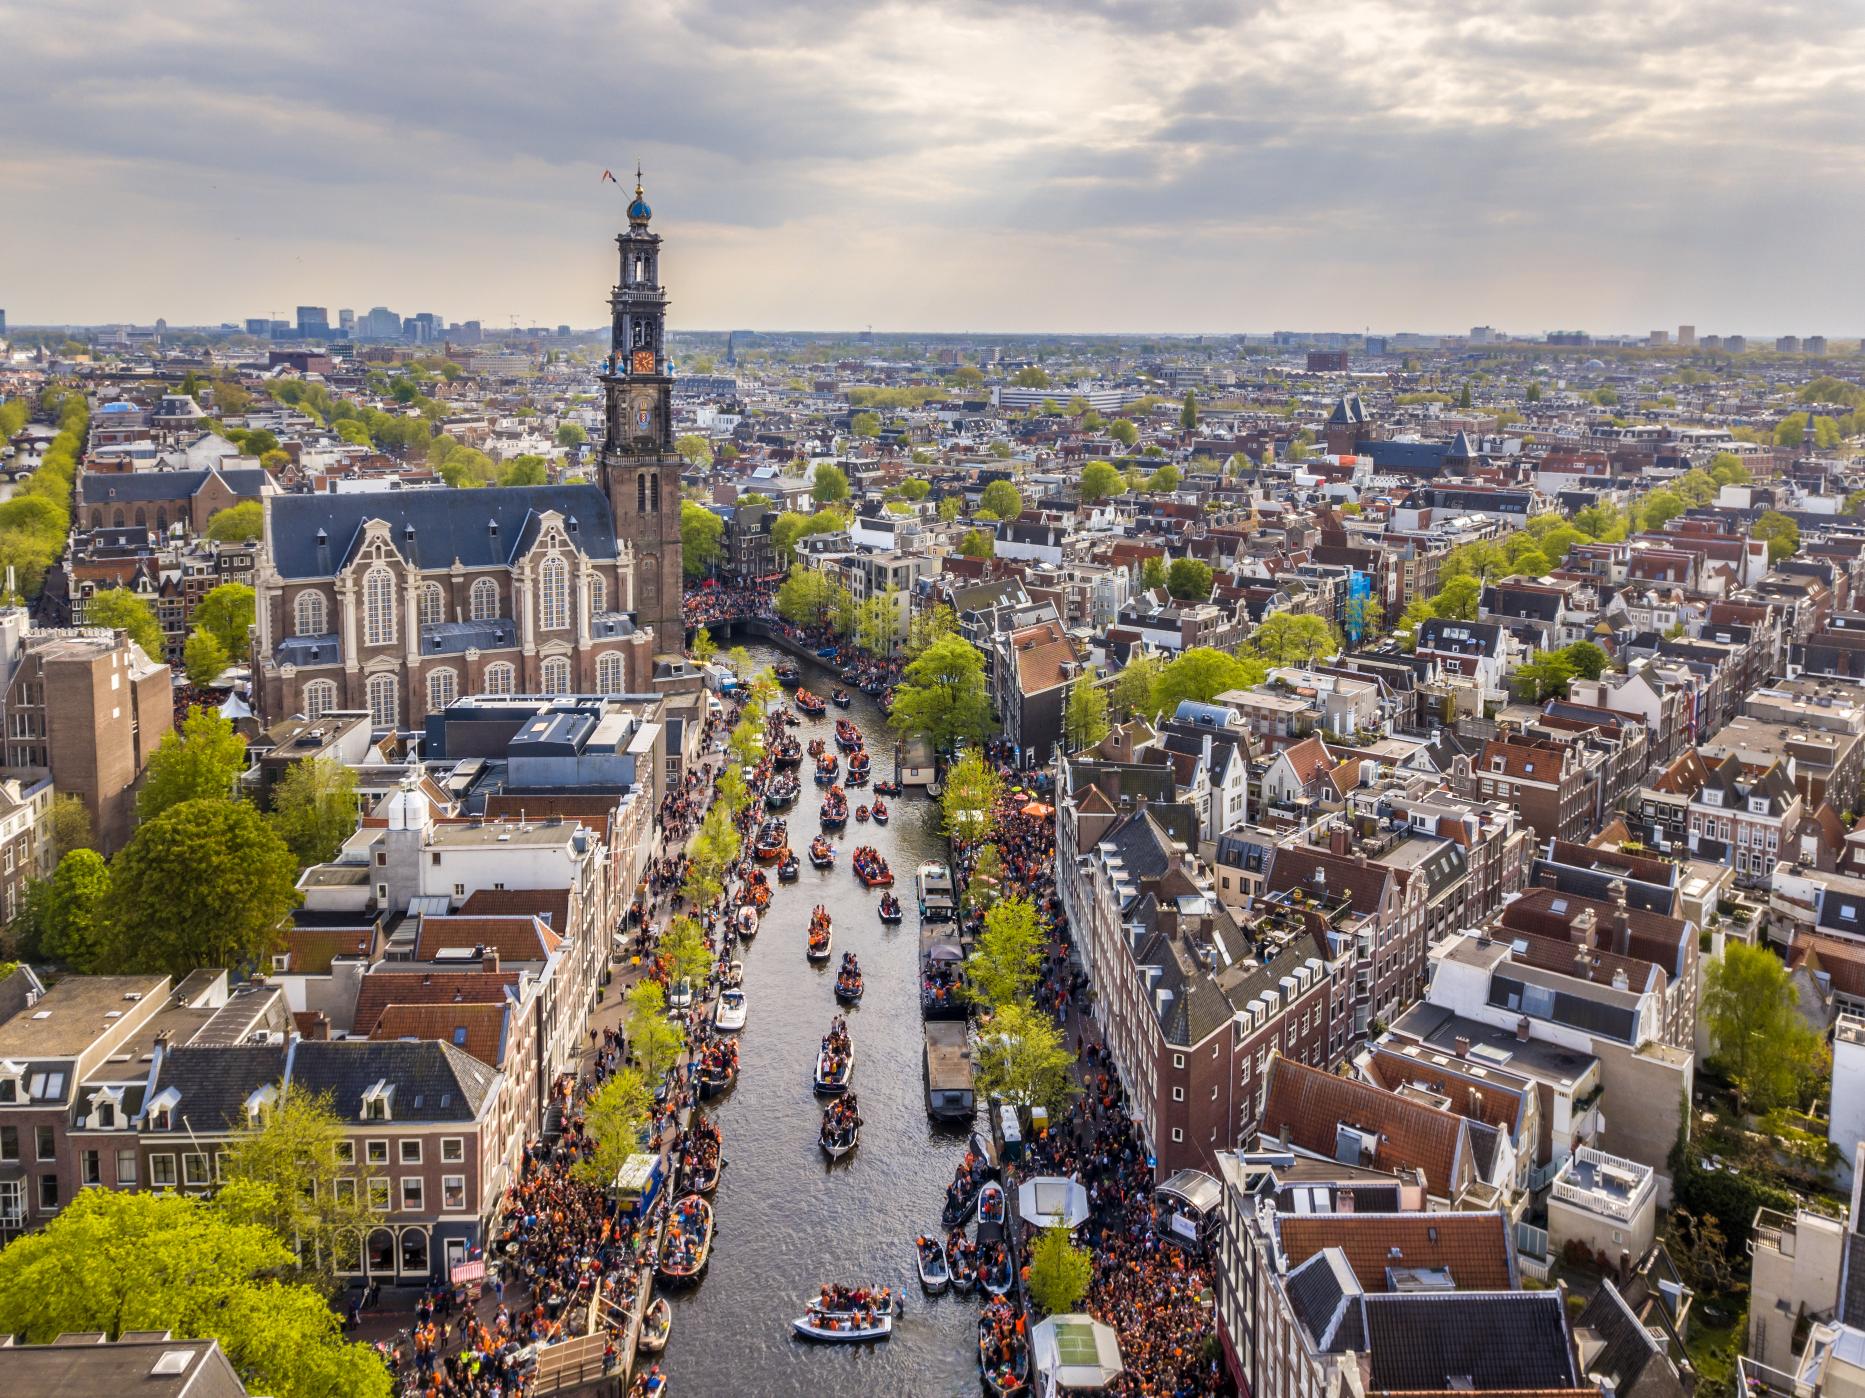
(399, 603)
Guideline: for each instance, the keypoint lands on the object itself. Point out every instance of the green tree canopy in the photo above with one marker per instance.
(1153, 571)
(702, 539)
(616, 1113)
(75, 919)
(829, 485)
(1003, 970)
(1099, 481)
(693, 449)
(122, 610)
(1031, 376)
(942, 695)
(1755, 1027)
(865, 424)
(571, 434)
(977, 543)
(928, 625)
(118, 1260)
(1287, 638)
(1189, 579)
(1022, 1059)
(203, 657)
(1165, 479)
(657, 1041)
(70, 824)
(206, 883)
(525, 469)
(1188, 413)
(1060, 1272)
(1781, 533)
(1201, 673)
(1135, 684)
(227, 613)
(968, 805)
(1002, 499)
(200, 762)
(314, 808)
(1084, 716)
(1123, 431)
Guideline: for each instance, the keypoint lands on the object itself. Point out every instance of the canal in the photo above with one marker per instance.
(789, 1221)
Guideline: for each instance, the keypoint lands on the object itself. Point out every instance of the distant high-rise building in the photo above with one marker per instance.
(2, 320)
(1787, 344)
(1736, 344)
(259, 325)
(313, 322)
(1658, 339)
(1483, 335)
(1375, 344)
(1712, 342)
(1687, 336)
(563, 332)
(346, 321)
(379, 324)
(1813, 344)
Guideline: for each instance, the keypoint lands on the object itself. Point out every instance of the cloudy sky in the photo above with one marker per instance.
(1101, 165)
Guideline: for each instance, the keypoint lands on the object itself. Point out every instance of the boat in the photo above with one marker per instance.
(871, 868)
(652, 1384)
(840, 697)
(731, 974)
(729, 1015)
(994, 1274)
(827, 652)
(826, 767)
(848, 985)
(811, 704)
(847, 736)
(717, 1069)
(833, 814)
(950, 1095)
(787, 754)
(841, 1128)
(1003, 1352)
(890, 909)
(942, 980)
(861, 813)
(934, 885)
(991, 1204)
(782, 792)
(747, 921)
(686, 1245)
(788, 675)
(835, 1060)
(845, 1327)
(929, 1257)
(880, 812)
(789, 870)
(771, 842)
(858, 764)
(821, 934)
(821, 853)
(961, 1261)
(817, 747)
(656, 1326)
(887, 788)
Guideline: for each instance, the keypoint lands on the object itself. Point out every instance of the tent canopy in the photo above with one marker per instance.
(1076, 1351)
(1049, 1200)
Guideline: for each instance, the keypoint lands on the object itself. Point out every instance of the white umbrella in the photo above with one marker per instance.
(1075, 1351)
(1048, 1200)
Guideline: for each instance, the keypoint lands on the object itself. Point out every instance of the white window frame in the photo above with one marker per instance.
(553, 594)
(408, 1150)
(415, 1185)
(483, 600)
(379, 606)
(310, 615)
(452, 1193)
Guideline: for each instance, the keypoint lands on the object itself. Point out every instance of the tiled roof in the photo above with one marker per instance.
(382, 988)
(1295, 866)
(1632, 1358)
(518, 938)
(1475, 1248)
(479, 1029)
(1307, 1107)
(214, 1083)
(1494, 1099)
(1649, 936)
(591, 812)
(312, 948)
(551, 905)
(1522, 762)
(433, 1082)
(1042, 651)
(1476, 1342)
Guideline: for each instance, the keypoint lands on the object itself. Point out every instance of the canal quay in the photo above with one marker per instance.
(788, 1220)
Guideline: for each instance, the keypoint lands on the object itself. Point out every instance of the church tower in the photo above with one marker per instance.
(640, 470)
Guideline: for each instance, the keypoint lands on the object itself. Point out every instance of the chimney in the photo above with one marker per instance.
(489, 960)
(1548, 878)
(1463, 1046)
(1583, 931)
(1621, 916)
(1340, 841)
(1521, 1029)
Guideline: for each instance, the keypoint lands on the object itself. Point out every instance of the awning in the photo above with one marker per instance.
(1051, 1200)
(1076, 1351)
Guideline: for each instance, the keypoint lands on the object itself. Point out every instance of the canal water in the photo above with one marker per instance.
(789, 1221)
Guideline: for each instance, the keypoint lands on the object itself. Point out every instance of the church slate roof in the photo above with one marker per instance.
(127, 488)
(482, 528)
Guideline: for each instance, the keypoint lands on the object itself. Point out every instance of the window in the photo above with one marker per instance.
(433, 604)
(609, 669)
(453, 1193)
(411, 1194)
(641, 495)
(48, 1193)
(452, 1149)
(554, 676)
(162, 1171)
(379, 607)
(413, 1250)
(554, 595)
(443, 687)
(1178, 1060)
(126, 1167)
(1178, 1094)
(379, 1195)
(9, 1143)
(378, 1152)
(12, 1201)
(194, 1169)
(410, 1152)
(320, 697)
(1177, 1134)
(45, 1143)
(598, 595)
(381, 1252)
(309, 614)
(384, 703)
(499, 679)
(483, 600)
(91, 1167)
(345, 1190)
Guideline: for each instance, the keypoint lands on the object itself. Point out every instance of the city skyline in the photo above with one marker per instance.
(1201, 167)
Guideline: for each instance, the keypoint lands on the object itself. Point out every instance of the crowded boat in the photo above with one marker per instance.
(822, 853)
(880, 812)
(871, 868)
(841, 1127)
(699, 1155)
(841, 1314)
(848, 985)
(847, 735)
(716, 1067)
(772, 840)
(820, 934)
(835, 1060)
(834, 813)
(840, 697)
(929, 1257)
(826, 767)
(1003, 1350)
(810, 704)
(961, 1260)
(858, 764)
(783, 791)
(686, 1245)
(891, 912)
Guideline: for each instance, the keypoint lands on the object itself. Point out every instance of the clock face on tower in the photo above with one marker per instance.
(643, 361)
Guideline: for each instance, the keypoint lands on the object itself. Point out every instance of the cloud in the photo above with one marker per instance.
(1200, 165)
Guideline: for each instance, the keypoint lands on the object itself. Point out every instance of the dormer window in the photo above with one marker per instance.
(161, 1111)
(12, 1082)
(106, 1109)
(378, 1101)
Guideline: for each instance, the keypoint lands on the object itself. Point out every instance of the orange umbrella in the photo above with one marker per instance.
(1036, 810)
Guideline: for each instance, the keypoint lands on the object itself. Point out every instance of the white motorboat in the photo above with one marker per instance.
(843, 1329)
(929, 1256)
(656, 1325)
(729, 1015)
(991, 1203)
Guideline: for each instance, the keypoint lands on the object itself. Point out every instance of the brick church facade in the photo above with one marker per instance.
(400, 603)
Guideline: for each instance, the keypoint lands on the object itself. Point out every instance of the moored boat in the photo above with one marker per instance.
(961, 1260)
(783, 791)
(994, 1273)
(729, 1015)
(788, 675)
(747, 920)
(772, 840)
(840, 697)
(787, 754)
(887, 788)
(929, 1257)
(686, 1245)
(656, 1326)
(1003, 1352)
(991, 1203)
(717, 1069)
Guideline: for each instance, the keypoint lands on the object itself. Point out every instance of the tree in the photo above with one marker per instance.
(1189, 579)
(70, 824)
(613, 1118)
(1002, 499)
(865, 424)
(1008, 960)
(1135, 684)
(913, 488)
(1099, 481)
(1463, 396)
(829, 485)
(1022, 1059)
(314, 809)
(1586, 659)
(1545, 675)
(527, 469)
(1458, 599)
(949, 509)
(942, 697)
(986, 883)
(1084, 716)
(1123, 431)
(655, 1040)
(226, 613)
(1188, 414)
(702, 539)
(200, 762)
(1661, 507)
(1060, 1272)
(1364, 617)
(693, 449)
(1153, 572)
(968, 376)
(205, 883)
(704, 648)
(571, 434)
(1201, 674)
(977, 543)
(1533, 393)
(803, 595)
(118, 1260)
(927, 626)
(1781, 533)
(877, 622)
(968, 805)
(281, 1172)
(1031, 376)
(1756, 1031)
(75, 920)
(1287, 638)
(689, 957)
(203, 657)
(122, 610)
